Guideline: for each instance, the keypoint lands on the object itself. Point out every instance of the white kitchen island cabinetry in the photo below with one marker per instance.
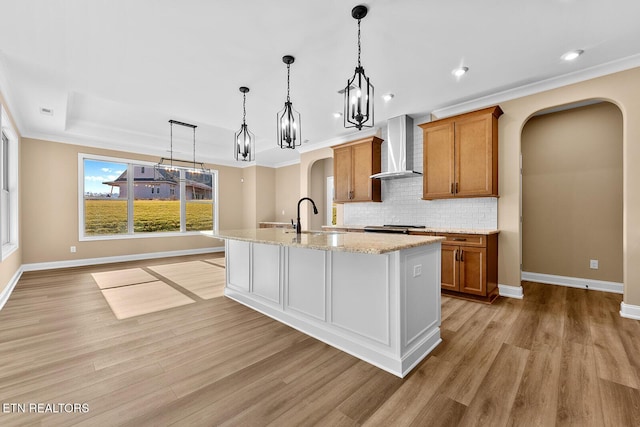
(374, 296)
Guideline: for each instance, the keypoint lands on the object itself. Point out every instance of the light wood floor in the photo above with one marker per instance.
(561, 356)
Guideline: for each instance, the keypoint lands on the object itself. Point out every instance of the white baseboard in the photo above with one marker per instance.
(630, 311)
(6, 292)
(120, 258)
(510, 291)
(574, 282)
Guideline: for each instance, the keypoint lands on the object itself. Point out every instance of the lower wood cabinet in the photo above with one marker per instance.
(469, 265)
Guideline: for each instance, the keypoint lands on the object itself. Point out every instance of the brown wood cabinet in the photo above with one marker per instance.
(470, 265)
(353, 163)
(461, 155)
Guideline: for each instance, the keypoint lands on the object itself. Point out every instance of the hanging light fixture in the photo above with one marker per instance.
(171, 160)
(358, 95)
(244, 142)
(288, 119)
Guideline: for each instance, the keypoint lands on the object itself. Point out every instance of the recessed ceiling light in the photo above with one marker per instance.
(337, 114)
(46, 111)
(459, 72)
(571, 55)
(388, 97)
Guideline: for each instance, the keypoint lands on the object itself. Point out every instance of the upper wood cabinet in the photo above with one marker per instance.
(353, 163)
(461, 155)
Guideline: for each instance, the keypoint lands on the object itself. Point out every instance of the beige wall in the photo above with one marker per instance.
(287, 193)
(266, 195)
(622, 89)
(50, 207)
(307, 161)
(258, 195)
(249, 218)
(10, 266)
(320, 171)
(572, 193)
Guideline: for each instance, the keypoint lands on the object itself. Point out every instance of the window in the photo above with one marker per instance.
(122, 198)
(6, 204)
(8, 186)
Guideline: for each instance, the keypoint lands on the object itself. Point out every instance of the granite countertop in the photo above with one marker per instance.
(427, 229)
(366, 243)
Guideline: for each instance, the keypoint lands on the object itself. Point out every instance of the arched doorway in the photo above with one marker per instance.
(572, 196)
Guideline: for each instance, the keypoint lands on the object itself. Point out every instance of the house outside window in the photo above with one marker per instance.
(122, 198)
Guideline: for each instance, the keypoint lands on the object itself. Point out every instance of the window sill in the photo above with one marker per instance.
(138, 236)
(8, 249)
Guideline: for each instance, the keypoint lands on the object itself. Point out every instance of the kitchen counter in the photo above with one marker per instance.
(374, 296)
(367, 243)
(417, 230)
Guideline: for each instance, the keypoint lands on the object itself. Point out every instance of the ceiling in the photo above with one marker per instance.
(115, 72)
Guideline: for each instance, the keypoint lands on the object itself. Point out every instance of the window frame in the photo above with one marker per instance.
(13, 165)
(131, 163)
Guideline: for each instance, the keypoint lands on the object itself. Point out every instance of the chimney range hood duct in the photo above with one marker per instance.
(399, 149)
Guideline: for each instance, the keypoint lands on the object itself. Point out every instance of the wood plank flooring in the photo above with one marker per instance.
(561, 356)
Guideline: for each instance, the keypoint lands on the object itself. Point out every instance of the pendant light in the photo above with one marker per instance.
(358, 95)
(244, 141)
(288, 119)
(193, 163)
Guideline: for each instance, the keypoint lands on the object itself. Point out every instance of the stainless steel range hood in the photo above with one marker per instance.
(399, 149)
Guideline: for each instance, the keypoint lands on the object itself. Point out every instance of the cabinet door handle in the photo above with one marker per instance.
(456, 187)
(459, 239)
(455, 253)
(461, 255)
(452, 192)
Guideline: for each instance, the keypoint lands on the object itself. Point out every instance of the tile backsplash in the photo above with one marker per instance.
(402, 201)
(402, 204)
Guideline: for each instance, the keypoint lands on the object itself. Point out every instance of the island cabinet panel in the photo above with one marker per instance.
(460, 155)
(353, 164)
(422, 311)
(360, 291)
(238, 255)
(266, 272)
(383, 308)
(306, 282)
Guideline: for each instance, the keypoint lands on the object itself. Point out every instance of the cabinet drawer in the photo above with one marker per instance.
(464, 239)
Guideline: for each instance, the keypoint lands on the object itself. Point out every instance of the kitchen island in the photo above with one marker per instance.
(374, 296)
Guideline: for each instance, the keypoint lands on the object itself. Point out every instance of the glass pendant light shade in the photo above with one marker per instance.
(288, 120)
(358, 94)
(244, 140)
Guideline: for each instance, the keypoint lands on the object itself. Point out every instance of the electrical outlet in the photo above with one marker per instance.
(417, 270)
(282, 211)
(593, 264)
(73, 249)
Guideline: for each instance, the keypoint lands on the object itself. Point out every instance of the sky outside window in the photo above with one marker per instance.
(96, 172)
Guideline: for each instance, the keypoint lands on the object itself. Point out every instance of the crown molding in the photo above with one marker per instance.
(540, 86)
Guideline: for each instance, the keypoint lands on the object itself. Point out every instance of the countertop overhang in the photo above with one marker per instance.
(367, 243)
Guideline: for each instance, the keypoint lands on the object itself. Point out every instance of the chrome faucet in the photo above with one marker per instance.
(315, 212)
